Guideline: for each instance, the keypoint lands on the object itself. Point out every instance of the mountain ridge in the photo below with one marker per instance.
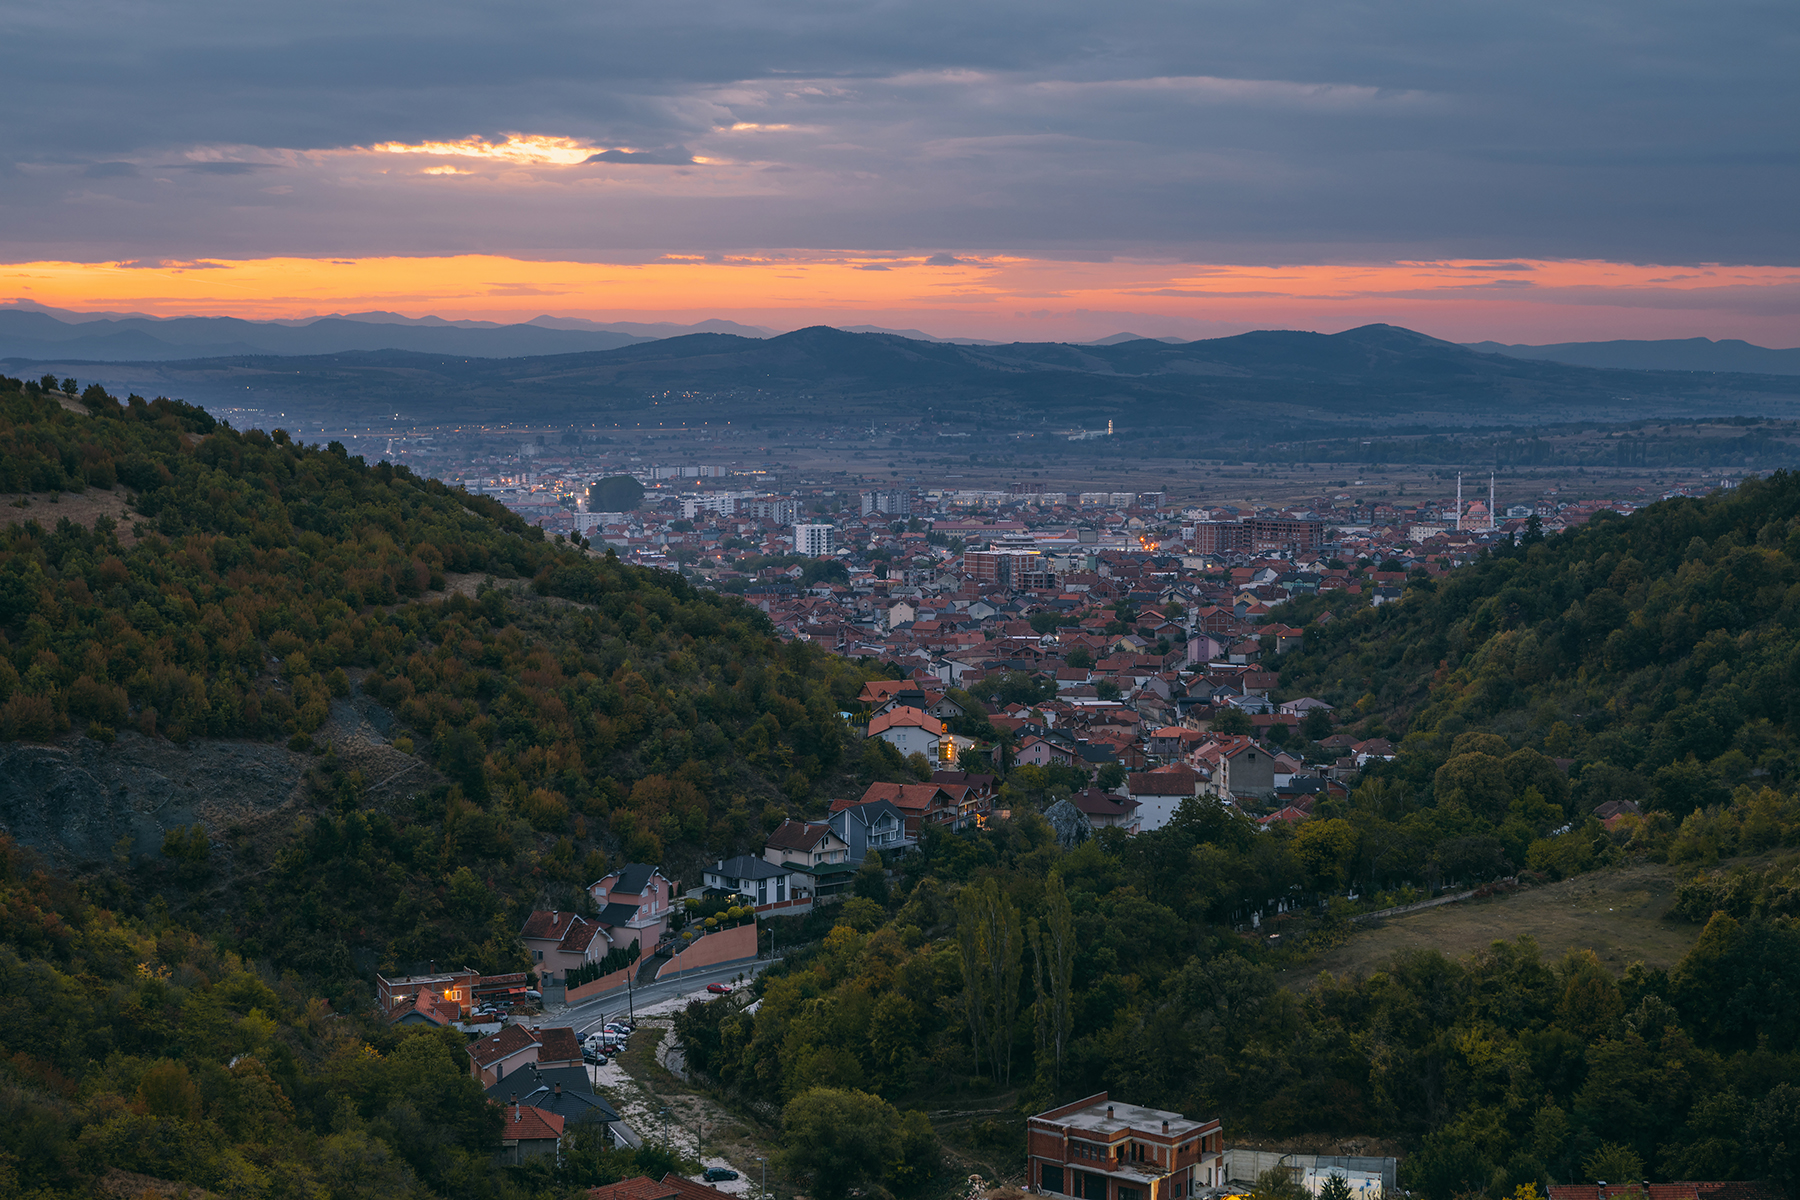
(1261, 380)
(1665, 354)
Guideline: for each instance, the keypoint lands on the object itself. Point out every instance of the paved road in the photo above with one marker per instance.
(594, 1013)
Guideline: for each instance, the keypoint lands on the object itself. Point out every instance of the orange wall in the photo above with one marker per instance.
(594, 987)
(727, 945)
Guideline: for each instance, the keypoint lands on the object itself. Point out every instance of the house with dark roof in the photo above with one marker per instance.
(1107, 810)
(635, 902)
(758, 881)
(815, 851)
(871, 825)
(566, 1093)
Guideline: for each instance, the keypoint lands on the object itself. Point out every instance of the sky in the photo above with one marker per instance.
(1526, 171)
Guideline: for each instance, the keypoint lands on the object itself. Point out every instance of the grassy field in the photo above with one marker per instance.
(1617, 913)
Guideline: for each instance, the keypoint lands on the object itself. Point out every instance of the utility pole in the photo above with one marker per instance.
(764, 1194)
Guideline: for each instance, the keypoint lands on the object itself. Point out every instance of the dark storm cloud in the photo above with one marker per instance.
(1657, 131)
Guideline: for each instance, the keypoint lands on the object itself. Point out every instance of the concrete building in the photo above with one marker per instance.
(1095, 1149)
(813, 541)
(887, 504)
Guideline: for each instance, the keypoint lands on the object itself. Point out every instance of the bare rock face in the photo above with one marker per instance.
(1070, 823)
(79, 801)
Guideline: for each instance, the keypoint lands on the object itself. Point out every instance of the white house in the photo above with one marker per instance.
(909, 731)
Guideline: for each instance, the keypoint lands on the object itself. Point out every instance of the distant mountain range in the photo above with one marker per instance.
(1308, 384)
(39, 333)
(1671, 354)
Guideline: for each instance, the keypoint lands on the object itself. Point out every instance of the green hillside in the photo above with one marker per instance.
(202, 1015)
(1660, 653)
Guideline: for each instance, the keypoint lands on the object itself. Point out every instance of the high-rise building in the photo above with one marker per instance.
(1220, 537)
(887, 504)
(813, 541)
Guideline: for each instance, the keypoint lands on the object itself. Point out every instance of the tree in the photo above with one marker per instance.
(1110, 776)
(1080, 658)
(841, 1137)
(988, 934)
(616, 493)
(1230, 719)
(1053, 962)
(1613, 1163)
(1326, 849)
(1315, 726)
(1335, 1187)
(1772, 1137)
(1107, 689)
(1278, 1183)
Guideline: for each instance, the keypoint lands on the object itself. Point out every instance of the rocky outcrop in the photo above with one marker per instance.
(79, 801)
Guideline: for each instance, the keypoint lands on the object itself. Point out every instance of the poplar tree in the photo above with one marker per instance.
(993, 951)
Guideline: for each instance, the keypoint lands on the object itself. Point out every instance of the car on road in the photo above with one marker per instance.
(715, 1174)
(719, 989)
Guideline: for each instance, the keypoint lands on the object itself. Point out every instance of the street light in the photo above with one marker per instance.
(764, 1193)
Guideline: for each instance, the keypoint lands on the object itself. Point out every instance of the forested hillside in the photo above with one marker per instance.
(264, 579)
(177, 1013)
(1649, 659)
(1660, 654)
(202, 1014)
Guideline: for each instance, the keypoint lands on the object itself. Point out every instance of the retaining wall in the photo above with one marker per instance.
(600, 986)
(713, 950)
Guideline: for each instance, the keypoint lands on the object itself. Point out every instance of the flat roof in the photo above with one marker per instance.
(1134, 1117)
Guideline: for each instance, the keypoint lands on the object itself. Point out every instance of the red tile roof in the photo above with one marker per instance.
(905, 717)
(557, 1044)
(640, 1188)
(1686, 1190)
(526, 1124)
(509, 1041)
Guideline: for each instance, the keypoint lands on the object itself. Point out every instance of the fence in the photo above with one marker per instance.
(1243, 1166)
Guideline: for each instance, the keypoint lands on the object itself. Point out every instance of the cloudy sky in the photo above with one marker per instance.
(1526, 170)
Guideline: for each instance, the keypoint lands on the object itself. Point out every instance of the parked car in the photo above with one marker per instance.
(620, 1030)
(715, 1174)
(593, 1058)
(719, 989)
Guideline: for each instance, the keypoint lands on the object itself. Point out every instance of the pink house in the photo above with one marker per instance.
(635, 902)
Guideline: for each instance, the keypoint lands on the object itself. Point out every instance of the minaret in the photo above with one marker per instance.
(1459, 508)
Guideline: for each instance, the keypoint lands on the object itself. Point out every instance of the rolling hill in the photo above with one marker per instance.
(1267, 380)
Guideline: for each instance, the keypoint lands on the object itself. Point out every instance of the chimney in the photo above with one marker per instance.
(1165, 1127)
(559, 1090)
(1109, 1112)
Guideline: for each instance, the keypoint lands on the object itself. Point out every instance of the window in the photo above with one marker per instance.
(1130, 1193)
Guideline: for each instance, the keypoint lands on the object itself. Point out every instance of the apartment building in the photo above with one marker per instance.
(1098, 1149)
(813, 541)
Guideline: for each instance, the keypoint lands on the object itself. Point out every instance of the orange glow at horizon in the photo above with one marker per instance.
(517, 148)
(981, 296)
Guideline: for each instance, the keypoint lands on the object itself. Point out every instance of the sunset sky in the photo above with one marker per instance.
(1524, 172)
